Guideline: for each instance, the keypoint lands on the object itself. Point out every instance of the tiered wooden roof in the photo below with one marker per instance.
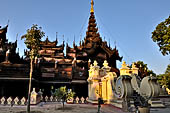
(53, 62)
(5, 46)
(50, 51)
(93, 47)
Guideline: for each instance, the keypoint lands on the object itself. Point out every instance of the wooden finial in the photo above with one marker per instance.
(92, 9)
(109, 42)
(63, 37)
(74, 38)
(56, 35)
(115, 44)
(56, 38)
(17, 36)
(8, 23)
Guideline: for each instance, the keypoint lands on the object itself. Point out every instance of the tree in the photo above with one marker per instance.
(164, 79)
(143, 69)
(63, 94)
(167, 69)
(32, 41)
(161, 35)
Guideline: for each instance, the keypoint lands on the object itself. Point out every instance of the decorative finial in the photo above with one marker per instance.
(105, 64)
(8, 23)
(74, 42)
(92, 9)
(115, 44)
(56, 36)
(63, 38)
(109, 42)
(124, 64)
(16, 36)
(95, 63)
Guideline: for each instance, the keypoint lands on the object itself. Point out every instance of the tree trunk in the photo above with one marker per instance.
(63, 104)
(29, 90)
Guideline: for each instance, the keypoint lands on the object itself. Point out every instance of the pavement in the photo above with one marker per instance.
(56, 107)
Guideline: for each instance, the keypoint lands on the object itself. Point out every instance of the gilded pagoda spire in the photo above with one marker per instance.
(92, 9)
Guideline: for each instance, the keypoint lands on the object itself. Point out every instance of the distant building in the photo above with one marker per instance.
(54, 69)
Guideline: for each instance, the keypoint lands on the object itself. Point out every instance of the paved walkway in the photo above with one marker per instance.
(71, 108)
(57, 108)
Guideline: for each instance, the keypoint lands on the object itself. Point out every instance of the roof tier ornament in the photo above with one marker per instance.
(92, 9)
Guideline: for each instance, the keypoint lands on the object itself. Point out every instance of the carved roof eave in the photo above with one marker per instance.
(111, 52)
(60, 46)
(48, 42)
(70, 50)
(106, 49)
(4, 30)
(115, 51)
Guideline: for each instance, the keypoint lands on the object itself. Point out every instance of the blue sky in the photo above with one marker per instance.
(129, 23)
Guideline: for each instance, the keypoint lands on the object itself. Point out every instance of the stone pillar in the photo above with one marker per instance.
(94, 91)
(107, 93)
(104, 89)
(89, 88)
(110, 95)
(93, 82)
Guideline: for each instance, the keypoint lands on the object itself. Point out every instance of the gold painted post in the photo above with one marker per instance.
(92, 9)
(100, 89)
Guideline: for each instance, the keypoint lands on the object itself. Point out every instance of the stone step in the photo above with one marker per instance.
(156, 103)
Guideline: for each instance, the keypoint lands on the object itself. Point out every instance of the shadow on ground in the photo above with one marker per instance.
(30, 112)
(60, 109)
(65, 108)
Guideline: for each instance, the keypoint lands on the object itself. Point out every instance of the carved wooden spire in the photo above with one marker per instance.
(92, 35)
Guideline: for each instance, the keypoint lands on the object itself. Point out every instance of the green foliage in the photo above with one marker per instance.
(143, 69)
(164, 79)
(168, 70)
(161, 35)
(141, 64)
(64, 94)
(149, 72)
(32, 39)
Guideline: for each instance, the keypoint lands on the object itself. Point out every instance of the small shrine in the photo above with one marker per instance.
(100, 82)
(35, 97)
(126, 70)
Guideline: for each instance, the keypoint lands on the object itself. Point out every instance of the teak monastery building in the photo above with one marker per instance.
(53, 67)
